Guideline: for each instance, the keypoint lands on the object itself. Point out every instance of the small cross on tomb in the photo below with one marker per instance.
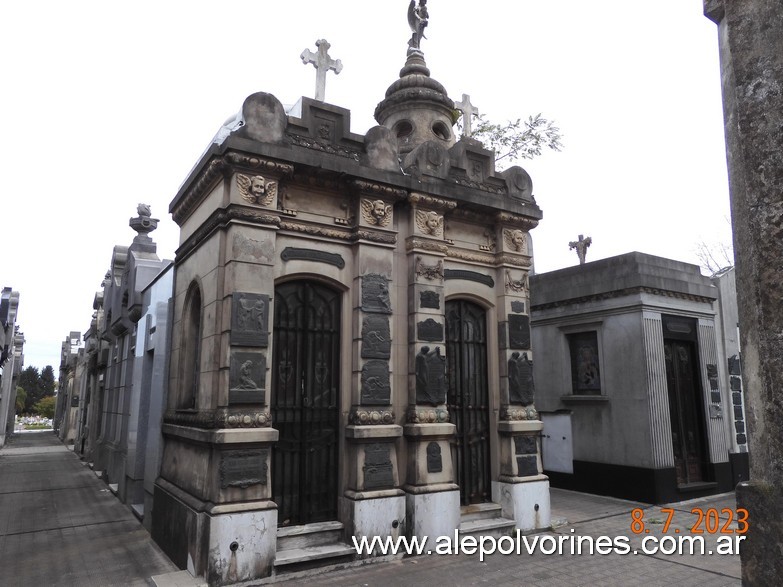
(468, 111)
(581, 247)
(322, 63)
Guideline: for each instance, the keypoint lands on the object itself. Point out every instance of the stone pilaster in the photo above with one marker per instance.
(428, 430)
(374, 504)
(750, 36)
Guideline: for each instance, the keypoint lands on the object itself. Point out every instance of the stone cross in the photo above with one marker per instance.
(468, 110)
(322, 63)
(581, 247)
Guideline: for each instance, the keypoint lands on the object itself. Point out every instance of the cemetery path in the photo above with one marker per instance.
(61, 526)
(585, 515)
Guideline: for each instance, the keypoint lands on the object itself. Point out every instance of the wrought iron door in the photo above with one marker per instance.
(305, 402)
(468, 398)
(685, 411)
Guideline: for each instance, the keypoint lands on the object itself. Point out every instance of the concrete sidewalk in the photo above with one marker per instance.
(586, 515)
(60, 525)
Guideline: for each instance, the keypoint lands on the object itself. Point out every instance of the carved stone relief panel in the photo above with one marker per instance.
(521, 389)
(378, 469)
(249, 319)
(515, 240)
(430, 299)
(376, 337)
(375, 294)
(376, 389)
(430, 377)
(434, 458)
(519, 332)
(246, 378)
(243, 468)
(429, 330)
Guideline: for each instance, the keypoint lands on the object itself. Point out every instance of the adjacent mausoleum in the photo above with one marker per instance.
(638, 395)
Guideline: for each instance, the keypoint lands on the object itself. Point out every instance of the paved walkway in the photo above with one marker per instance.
(60, 525)
(586, 515)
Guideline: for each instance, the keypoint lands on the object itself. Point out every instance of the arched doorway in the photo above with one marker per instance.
(305, 401)
(468, 398)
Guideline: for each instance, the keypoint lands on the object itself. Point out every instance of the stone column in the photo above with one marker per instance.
(750, 34)
(374, 503)
(522, 489)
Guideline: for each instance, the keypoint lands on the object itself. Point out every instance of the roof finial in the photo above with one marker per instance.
(418, 18)
(581, 247)
(468, 112)
(322, 63)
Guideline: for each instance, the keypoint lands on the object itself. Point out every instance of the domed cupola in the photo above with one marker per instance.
(417, 108)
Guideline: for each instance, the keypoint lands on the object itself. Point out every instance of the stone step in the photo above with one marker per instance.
(495, 527)
(479, 511)
(316, 534)
(299, 559)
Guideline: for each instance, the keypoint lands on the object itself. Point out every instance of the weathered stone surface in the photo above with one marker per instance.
(381, 146)
(750, 34)
(265, 118)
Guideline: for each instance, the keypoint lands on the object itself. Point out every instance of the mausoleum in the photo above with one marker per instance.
(350, 345)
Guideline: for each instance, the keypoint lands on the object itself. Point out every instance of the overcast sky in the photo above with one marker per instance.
(108, 104)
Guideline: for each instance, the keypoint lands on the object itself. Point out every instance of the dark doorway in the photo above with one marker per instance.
(468, 398)
(305, 402)
(686, 411)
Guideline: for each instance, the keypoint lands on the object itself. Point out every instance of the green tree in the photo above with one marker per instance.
(47, 380)
(21, 396)
(30, 381)
(518, 139)
(45, 407)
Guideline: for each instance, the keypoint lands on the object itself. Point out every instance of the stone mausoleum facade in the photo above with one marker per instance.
(350, 345)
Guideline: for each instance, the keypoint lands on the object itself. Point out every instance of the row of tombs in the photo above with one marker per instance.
(344, 346)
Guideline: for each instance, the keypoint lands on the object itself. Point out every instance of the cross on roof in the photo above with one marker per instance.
(322, 63)
(468, 110)
(581, 247)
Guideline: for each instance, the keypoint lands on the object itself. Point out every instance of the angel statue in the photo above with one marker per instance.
(256, 190)
(418, 18)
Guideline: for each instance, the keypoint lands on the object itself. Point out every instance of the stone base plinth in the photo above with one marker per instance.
(381, 516)
(242, 546)
(526, 503)
(224, 544)
(433, 514)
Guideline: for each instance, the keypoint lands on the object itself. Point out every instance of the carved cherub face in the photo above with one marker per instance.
(379, 209)
(518, 238)
(433, 220)
(257, 186)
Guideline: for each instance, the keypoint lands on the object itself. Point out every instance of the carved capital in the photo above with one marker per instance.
(413, 243)
(362, 416)
(518, 413)
(517, 220)
(418, 199)
(372, 189)
(423, 415)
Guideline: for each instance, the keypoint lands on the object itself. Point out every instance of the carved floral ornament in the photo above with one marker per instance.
(517, 413)
(368, 417)
(516, 285)
(425, 415)
(429, 271)
(256, 189)
(376, 212)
